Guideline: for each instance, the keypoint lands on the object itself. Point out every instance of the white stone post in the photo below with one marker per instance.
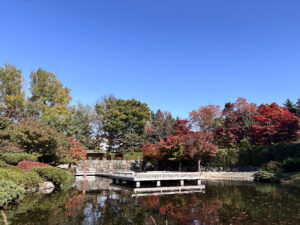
(158, 183)
(138, 184)
(199, 182)
(124, 181)
(182, 182)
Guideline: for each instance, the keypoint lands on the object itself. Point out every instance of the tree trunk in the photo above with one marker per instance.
(199, 165)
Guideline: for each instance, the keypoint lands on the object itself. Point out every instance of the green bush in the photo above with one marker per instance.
(53, 174)
(14, 158)
(291, 165)
(273, 166)
(9, 191)
(20, 177)
(36, 137)
(266, 176)
(7, 166)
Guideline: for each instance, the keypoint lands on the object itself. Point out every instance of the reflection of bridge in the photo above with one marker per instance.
(151, 191)
(151, 176)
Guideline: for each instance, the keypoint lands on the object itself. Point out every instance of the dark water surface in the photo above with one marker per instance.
(222, 203)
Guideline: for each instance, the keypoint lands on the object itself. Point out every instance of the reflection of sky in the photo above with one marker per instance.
(101, 200)
(92, 214)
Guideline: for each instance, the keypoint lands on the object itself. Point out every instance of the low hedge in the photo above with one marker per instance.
(14, 158)
(266, 176)
(27, 165)
(53, 174)
(20, 177)
(9, 191)
(291, 165)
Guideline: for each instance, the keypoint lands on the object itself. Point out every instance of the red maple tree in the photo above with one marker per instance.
(77, 151)
(237, 121)
(273, 124)
(205, 118)
(183, 143)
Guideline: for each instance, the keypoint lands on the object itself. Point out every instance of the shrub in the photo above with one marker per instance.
(133, 155)
(273, 166)
(53, 174)
(265, 176)
(9, 191)
(36, 137)
(20, 177)
(7, 166)
(291, 164)
(9, 146)
(14, 158)
(27, 165)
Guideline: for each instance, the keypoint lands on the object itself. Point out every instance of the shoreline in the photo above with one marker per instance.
(239, 176)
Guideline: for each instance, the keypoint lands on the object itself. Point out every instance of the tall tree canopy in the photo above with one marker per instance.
(159, 126)
(206, 117)
(81, 124)
(237, 119)
(122, 120)
(12, 95)
(49, 96)
(274, 124)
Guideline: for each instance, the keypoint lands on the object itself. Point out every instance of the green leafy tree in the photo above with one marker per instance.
(50, 99)
(121, 120)
(36, 137)
(159, 127)
(290, 106)
(81, 127)
(12, 95)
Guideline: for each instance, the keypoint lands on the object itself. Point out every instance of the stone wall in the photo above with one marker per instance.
(138, 166)
(109, 166)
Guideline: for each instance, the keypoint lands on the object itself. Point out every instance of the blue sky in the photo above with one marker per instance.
(175, 55)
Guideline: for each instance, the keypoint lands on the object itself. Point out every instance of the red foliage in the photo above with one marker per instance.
(74, 204)
(204, 211)
(27, 165)
(237, 120)
(274, 124)
(205, 117)
(182, 143)
(78, 152)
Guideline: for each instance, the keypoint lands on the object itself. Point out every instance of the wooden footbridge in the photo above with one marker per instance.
(183, 179)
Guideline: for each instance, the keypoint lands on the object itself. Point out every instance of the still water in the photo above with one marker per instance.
(222, 203)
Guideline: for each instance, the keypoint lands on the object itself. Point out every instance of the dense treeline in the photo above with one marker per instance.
(42, 122)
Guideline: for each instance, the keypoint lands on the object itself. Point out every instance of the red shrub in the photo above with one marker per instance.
(27, 165)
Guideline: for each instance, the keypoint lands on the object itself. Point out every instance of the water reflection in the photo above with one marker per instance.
(222, 203)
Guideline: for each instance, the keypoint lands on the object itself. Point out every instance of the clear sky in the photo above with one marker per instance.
(175, 55)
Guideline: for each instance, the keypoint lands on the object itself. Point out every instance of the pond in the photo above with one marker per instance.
(221, 203)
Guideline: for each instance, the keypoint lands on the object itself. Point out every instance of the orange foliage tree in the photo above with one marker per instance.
(77, 151)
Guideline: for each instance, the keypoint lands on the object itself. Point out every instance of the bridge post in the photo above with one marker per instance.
(199, 182)
(138, 184)
(158, 183)
(181, 182)
(124, 181)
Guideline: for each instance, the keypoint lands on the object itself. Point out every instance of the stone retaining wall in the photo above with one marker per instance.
(109, 166)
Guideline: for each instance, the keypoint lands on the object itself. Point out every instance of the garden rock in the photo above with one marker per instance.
(46, 187)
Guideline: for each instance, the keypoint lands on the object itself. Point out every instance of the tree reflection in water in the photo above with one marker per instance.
(221, 204)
